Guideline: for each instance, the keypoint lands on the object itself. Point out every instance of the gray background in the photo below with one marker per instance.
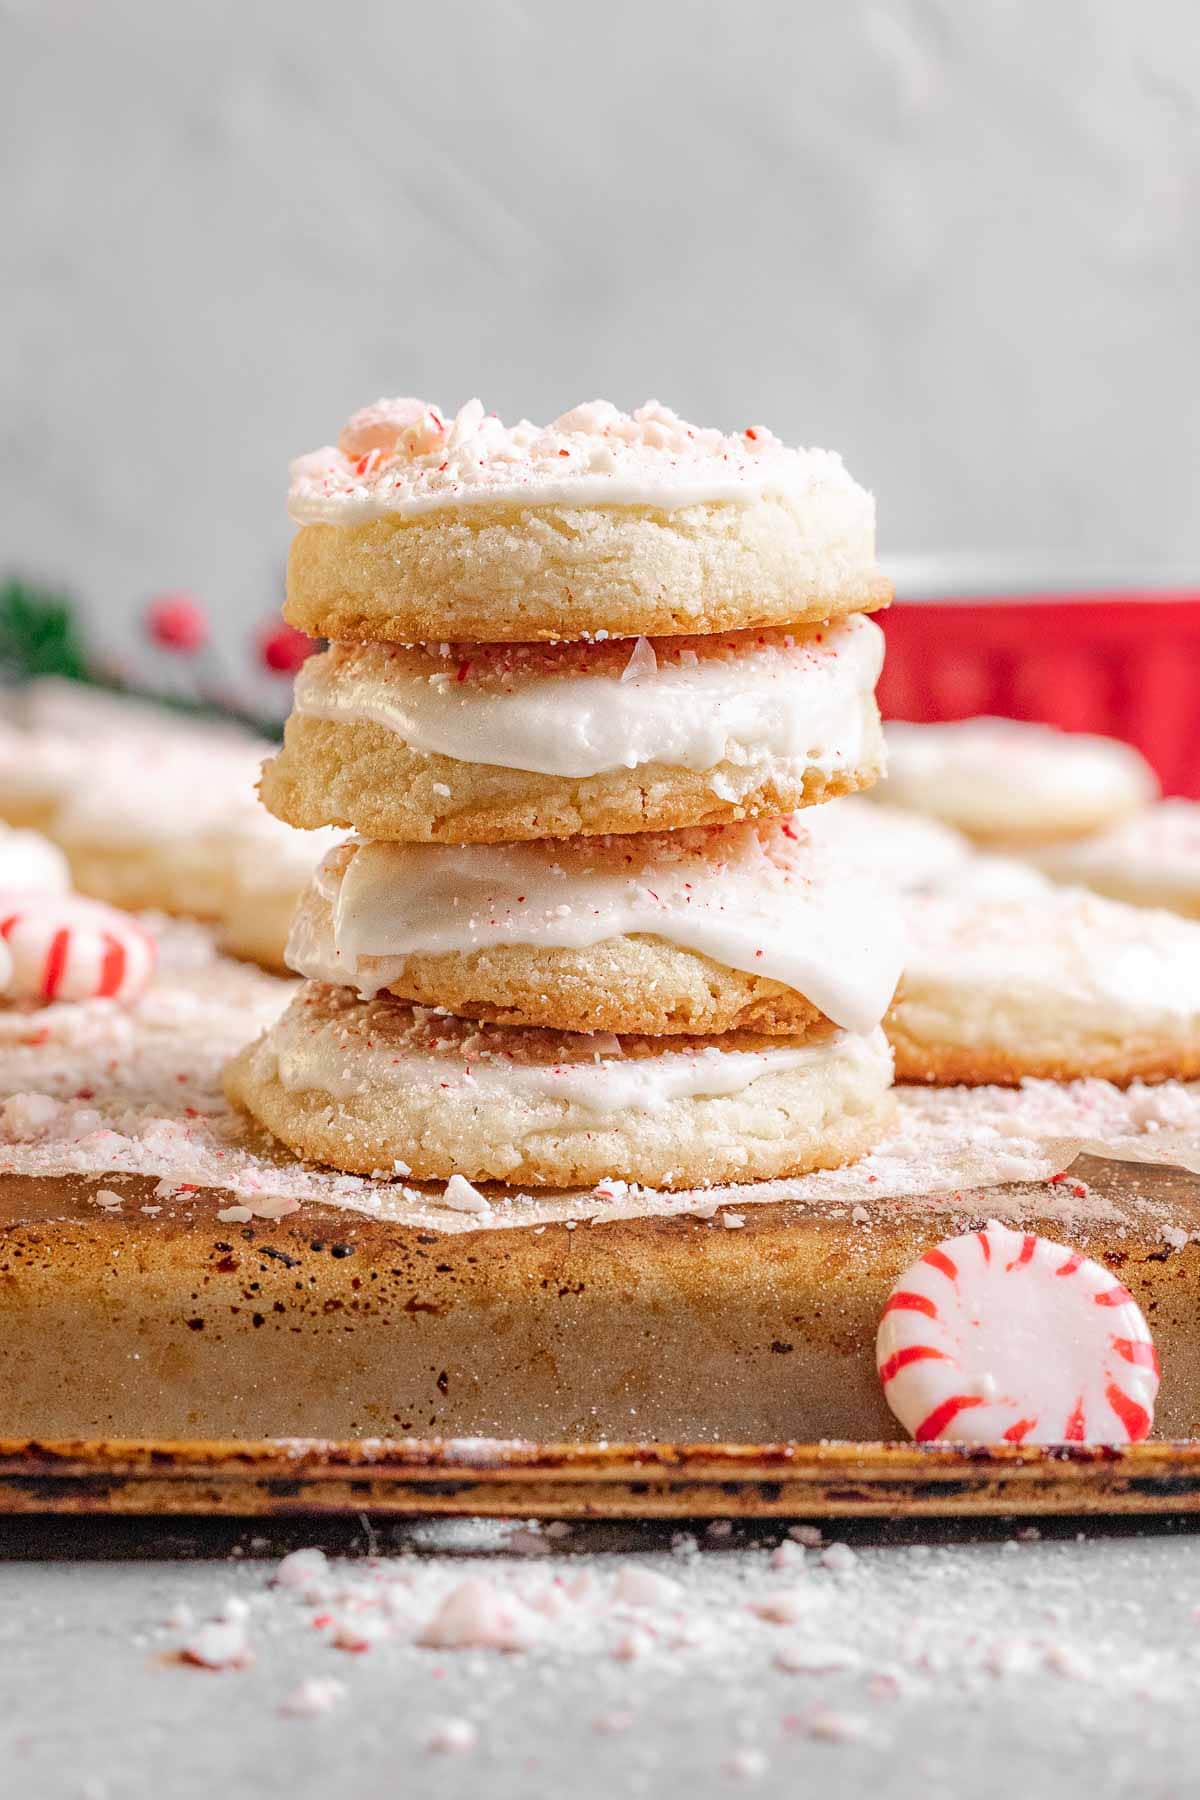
(959, 242)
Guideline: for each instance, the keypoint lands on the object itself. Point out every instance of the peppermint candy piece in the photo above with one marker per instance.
(1003, 1337)
(62, 947)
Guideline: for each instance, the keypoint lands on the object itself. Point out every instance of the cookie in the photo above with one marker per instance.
(1150, 859)
(1008, 978)
(363, 1085)
(149, 824)
(900, 851)
(269, 867)
(169, 822)
(1007, 783)
(741, 927)
(416, 528)
(488, 744)
(37, 772)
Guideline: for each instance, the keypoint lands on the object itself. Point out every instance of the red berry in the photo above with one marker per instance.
(282, 648)
(177, 622)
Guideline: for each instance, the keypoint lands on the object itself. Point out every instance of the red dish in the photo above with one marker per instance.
(1124, 664)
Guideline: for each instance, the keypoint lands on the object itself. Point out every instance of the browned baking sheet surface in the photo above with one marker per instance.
(154, 1360)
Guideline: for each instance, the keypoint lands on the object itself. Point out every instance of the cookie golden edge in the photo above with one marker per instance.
(362, 777)
(923, 1058)
(541, 574)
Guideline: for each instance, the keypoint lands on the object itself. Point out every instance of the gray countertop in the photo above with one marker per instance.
(940, 1660)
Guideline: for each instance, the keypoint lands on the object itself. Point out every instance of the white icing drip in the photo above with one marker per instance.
(400, 459)
(810, 705)
(758, 900)
(307, 1062)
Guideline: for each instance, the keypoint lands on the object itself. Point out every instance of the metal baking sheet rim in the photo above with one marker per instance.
(297, 1478)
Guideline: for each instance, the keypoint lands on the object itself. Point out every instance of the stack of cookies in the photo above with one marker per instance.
(584, 682)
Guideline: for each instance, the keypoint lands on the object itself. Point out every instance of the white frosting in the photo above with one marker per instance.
(1153, 857)
(755, 899)
(133, 791)
(805, 701)
(1003, 777)
(54, 706)
(600, 1083)
(1010, 944)
(30, 863)
(402, 458)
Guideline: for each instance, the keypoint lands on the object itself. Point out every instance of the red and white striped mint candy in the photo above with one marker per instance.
(63, 947)
(1003, 1337)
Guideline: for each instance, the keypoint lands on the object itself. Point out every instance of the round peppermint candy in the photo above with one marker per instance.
(62, 947)
(1003, 1337)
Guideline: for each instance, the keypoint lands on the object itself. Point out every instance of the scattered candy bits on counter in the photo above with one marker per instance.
(1001, 1336)
(805, 1639)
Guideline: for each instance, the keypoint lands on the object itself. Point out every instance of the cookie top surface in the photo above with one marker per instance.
(324, 1026)
(1005, 778)
(1001, 930)
(1157, 850)
(403, 457)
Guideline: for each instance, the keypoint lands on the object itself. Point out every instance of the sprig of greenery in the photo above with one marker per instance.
(38, 634)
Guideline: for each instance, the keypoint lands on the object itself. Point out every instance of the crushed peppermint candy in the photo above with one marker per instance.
(315, 1695)
(451, 1736)
(221, 1644)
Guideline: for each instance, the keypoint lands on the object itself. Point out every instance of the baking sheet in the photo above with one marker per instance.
(659, 1481)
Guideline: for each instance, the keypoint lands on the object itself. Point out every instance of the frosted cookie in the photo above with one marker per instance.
(1150, 859)
(736, 928)
(181, 831)
(269, 869)
(487, 744)
(1009, 977)
(901, 851)
(37, 773)
(155, 827)
(365, 1084)
(77, 710)
(1006, 782)
(415, 528)
(30, 863)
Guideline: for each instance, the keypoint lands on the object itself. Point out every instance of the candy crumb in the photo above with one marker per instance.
(451, 1737)
(316, 1694)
